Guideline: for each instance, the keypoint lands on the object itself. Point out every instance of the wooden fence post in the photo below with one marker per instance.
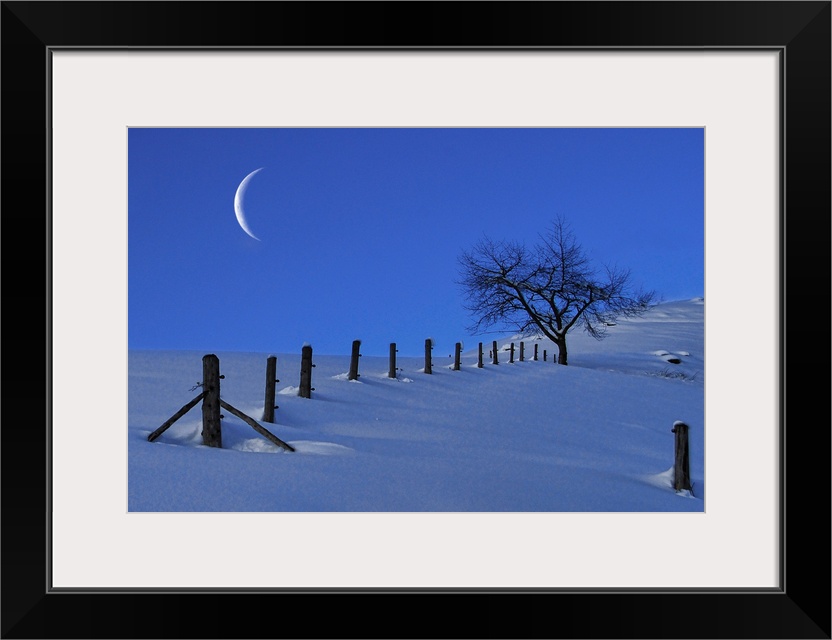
(535, 352)
(479, 357)
(428, 347)
(353, 374)
(681, 467)
(271, 378)
(391, 373)
(522, 351)
(211, 425)
(494, 353)
(511, 353)
(306, 365)
(457, 353)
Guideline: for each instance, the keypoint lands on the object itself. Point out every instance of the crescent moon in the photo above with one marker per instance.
(238, 203)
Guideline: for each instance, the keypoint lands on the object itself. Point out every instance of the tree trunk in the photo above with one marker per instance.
(561, 351)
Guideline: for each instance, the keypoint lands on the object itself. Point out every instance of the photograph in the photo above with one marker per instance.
(458, 304)
(499, 319)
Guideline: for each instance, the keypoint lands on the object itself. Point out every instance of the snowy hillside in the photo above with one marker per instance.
(527, 436)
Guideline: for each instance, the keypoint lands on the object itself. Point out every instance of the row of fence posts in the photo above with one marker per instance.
(306, 365)
(211, 401)
(305, 390)
(458, 355)
(494, 357)
(681, 480)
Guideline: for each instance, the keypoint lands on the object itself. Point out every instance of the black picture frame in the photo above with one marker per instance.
(799, 608)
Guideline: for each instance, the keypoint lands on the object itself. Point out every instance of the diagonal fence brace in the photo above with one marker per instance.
(253, 424)
(175, 417)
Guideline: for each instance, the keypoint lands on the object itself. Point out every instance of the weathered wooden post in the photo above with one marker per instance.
(428, 347)
(271, 378)
(681, 467)
(457, 353)
(211, 421)
(391, 373)
(522, 351)
(306, 365)
(353, 374)
(494, 353)
(479, 356)
(511, 353)
(535, 352)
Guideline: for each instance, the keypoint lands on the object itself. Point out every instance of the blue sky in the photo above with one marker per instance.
(359, 229)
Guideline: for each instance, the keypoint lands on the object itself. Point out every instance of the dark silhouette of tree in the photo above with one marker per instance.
(551, 288)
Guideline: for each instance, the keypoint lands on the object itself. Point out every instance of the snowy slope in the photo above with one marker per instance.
(527, 436)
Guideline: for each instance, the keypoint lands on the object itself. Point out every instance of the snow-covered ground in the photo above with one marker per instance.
(527, 436)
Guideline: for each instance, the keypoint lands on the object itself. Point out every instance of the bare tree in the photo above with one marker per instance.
(551, 288)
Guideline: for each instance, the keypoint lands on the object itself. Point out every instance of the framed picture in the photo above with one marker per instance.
(77, 76)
